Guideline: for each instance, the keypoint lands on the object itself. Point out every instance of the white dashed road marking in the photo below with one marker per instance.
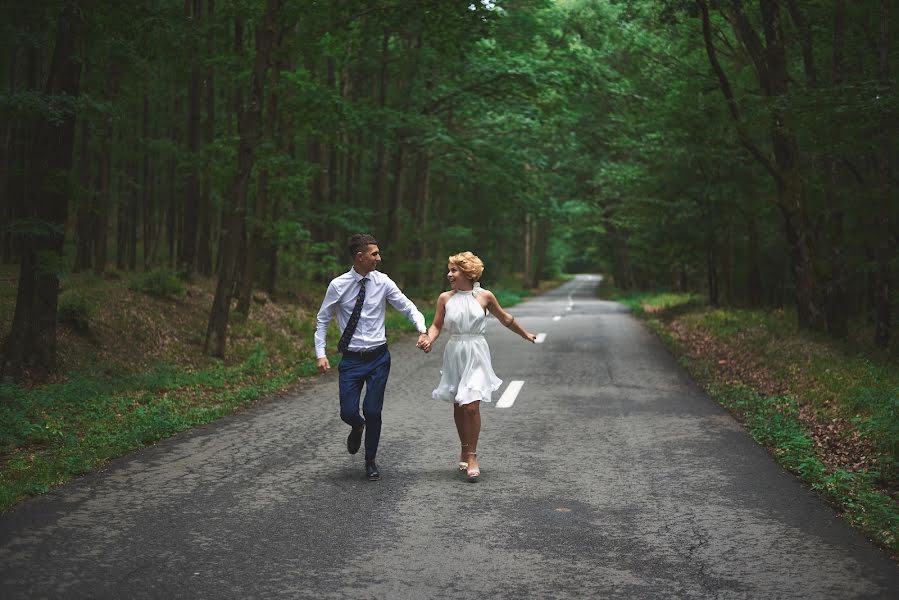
(508, 397)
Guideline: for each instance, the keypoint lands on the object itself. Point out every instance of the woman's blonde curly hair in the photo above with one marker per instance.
(470, 265)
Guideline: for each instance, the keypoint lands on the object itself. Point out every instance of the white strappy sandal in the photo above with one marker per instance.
(462, 464)
(473, 472)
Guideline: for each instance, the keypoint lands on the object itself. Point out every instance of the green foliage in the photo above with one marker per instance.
(162, 283)
(510, 297)
(652, 302)
(75, 309)
(303, 328)
(874, 404)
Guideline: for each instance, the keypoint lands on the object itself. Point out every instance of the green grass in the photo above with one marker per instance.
(648, 303)
(53, 433)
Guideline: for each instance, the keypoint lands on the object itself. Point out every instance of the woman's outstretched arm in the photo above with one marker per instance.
(507, 319)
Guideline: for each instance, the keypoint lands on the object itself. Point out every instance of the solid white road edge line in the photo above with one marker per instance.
(508, 397)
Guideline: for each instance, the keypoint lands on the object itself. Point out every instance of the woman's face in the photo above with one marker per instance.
(457, 279)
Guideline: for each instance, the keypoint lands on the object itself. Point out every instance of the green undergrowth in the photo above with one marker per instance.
(838, 381)
(650, 303)
(55, 432)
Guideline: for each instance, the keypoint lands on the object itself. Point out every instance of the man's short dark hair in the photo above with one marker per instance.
(359, 242)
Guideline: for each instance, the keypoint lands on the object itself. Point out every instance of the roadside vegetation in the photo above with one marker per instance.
(132, 370)
(827, 411)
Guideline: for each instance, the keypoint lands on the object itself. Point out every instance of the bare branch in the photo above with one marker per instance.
(726, 89)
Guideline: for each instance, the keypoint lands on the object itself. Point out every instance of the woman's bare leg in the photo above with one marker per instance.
(472, 420)
(459, 418)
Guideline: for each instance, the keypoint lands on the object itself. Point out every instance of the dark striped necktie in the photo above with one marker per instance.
(354, 318)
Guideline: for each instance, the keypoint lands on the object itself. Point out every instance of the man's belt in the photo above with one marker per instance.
(367, 354)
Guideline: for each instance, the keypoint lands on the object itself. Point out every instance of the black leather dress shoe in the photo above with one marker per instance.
(354, 440)
(371, 470)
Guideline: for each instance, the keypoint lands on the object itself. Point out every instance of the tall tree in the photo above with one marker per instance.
(190, 203)
(31, 344)
(249, 125)
(783, 161)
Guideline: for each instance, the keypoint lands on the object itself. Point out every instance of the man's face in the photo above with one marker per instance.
(368, 259)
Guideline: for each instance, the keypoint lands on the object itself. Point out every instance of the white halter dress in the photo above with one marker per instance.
(467, 375)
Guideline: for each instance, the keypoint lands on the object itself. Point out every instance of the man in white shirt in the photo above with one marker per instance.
(359, 299)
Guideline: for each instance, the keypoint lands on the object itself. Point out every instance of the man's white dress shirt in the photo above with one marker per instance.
(370, 332)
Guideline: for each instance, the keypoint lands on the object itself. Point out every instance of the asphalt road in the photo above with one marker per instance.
(610, 476)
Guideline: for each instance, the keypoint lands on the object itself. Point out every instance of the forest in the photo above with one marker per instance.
(745, 151)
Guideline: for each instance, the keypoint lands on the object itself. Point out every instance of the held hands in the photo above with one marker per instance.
(424, 342)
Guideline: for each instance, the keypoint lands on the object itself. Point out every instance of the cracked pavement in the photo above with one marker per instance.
(611, 476)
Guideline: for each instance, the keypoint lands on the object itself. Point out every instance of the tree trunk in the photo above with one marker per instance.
(104, 198)
(836, 300)
(256, 225)
(121, 230)
(380, 186)
(171, 212)
(145, 202)
(542, 238)
(786, 156)
(17, 189)
(396, 196)
(187, 248)
(284, 141)
(711, 270)
(207, 215)
(271, 253)
(754, 273)
(7, 144)
(422, 200)
(31, 343)
(527, 268)
(622, 271)
(133, 211)
(727, 267)
(771, 70)
(382, 162)
(886, 251)
(883, 320)
(249, 125)
(317, 228)
(84, 211)
(125, 214)
(15, 160)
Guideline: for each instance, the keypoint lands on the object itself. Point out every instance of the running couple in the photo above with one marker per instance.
(359, 298)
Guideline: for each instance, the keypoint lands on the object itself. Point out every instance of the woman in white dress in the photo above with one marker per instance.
(467, 378)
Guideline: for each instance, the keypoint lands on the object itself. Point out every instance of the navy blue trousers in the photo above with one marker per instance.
(354, 372)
